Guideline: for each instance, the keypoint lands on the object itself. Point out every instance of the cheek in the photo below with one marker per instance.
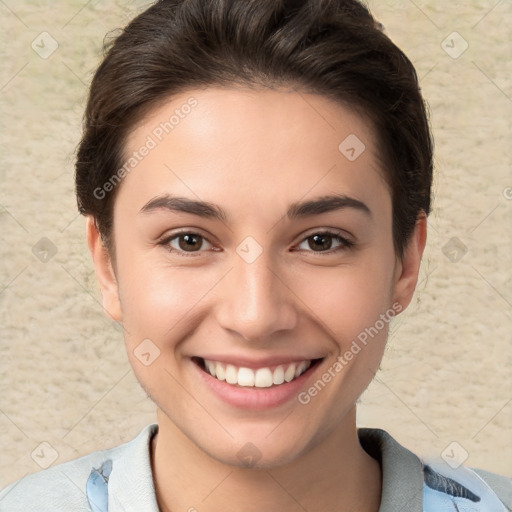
(161, 305)
(347, 299)
(159, 300)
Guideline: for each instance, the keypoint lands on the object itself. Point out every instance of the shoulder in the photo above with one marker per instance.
(410, 483)
(59, 488)
(463, 488)
(63, 487)
(501, 485)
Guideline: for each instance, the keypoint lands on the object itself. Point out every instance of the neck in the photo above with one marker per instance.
(335, 475)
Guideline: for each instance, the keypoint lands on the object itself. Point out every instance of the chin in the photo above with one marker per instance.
(249, 456)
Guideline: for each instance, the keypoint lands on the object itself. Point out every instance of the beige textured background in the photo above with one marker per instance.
(446, 377)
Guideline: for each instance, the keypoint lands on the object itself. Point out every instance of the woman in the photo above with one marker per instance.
(256, 177)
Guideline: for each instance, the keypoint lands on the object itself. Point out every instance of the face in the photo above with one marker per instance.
(254, 241)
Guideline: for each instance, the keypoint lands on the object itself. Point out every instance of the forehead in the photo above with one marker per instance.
(252, 145)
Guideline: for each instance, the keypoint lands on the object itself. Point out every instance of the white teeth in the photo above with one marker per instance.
(278, 375)
(301, 368)
(260, 378)
(210, 367)
(245, 377)
(220, 372)
(231, 374)
(263, 378)
(289, 374)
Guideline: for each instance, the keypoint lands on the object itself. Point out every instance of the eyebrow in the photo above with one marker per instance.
(296, 210)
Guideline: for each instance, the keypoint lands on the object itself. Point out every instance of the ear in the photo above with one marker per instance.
(407, 269)
(104, 271)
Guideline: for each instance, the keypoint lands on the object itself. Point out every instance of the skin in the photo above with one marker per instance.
(253, 153)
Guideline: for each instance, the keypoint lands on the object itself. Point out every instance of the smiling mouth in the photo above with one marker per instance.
(264, 377)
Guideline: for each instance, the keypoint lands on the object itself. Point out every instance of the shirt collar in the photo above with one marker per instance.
(402, 471)
(131, 482)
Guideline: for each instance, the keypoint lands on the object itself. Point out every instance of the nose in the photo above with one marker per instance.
(256, 300)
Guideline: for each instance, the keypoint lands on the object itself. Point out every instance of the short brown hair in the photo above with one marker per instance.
(334, 48)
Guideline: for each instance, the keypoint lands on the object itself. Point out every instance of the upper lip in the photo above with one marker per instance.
(256, 363)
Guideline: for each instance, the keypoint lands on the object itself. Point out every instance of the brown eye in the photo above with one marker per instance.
(190, 242)
(185, 242)
(323, 242)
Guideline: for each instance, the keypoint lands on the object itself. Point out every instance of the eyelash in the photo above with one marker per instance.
(345, 243)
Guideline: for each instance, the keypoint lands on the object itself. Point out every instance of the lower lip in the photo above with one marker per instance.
(256, 399)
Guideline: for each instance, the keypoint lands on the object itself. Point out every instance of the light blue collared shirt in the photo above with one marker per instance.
(120, 480)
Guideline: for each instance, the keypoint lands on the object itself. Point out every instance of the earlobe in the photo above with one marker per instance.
(407, 270)
(104, 271)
